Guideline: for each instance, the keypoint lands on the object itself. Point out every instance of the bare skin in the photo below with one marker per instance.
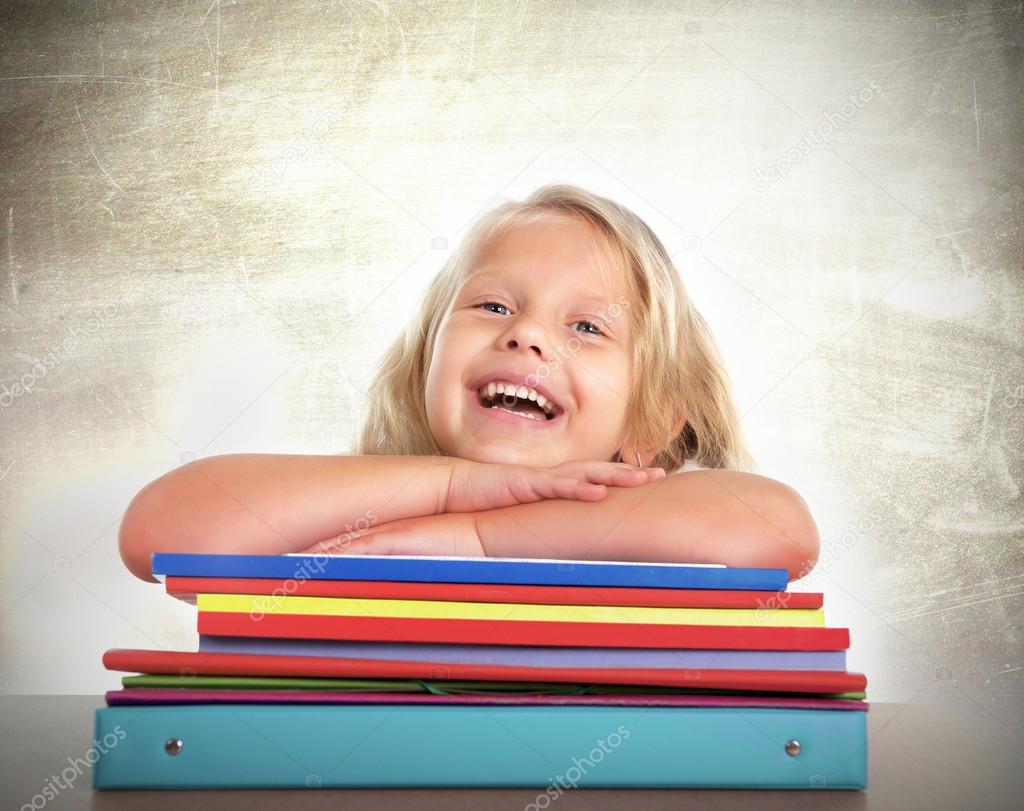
(538, 303)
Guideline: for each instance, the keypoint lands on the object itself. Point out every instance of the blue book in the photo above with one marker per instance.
(550, 748)
(435, 569)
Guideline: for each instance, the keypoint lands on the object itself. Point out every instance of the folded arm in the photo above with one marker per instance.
(261, 503)
(707, 516)
(712, 516)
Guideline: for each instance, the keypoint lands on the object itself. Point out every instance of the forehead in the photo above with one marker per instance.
(563, 256)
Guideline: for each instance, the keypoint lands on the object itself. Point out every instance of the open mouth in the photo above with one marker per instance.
(521, 401)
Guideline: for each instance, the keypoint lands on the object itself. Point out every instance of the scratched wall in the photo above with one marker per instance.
(215, 217)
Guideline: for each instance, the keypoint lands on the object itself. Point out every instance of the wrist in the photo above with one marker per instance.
(459, 474)
(484, 523)
(446, 468)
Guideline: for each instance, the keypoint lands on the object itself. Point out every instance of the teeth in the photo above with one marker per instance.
(528, 416)
(522, 392)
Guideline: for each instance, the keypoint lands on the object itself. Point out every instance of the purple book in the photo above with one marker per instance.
(533, 656)
(188, 695)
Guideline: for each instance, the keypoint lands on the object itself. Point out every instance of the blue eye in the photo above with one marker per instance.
(592, 324)
(598, 332)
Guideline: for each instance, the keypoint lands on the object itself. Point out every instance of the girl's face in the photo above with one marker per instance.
(547, 305)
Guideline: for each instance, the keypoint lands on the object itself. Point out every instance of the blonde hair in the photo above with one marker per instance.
(677, 369)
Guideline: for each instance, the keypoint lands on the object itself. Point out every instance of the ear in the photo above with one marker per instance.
(648, 454)
(678, 427)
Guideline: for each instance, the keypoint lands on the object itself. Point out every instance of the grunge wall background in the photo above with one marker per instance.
(215, 216)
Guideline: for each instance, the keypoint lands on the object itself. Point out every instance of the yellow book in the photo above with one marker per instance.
(259, 604)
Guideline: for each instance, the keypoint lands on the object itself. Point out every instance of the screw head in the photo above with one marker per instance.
(793, 748)
(173, 746)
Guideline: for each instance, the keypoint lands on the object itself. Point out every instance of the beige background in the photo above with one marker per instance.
(216, 216)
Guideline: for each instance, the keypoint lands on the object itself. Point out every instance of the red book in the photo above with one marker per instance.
(186, 588)
(203, 663)
(522, 632)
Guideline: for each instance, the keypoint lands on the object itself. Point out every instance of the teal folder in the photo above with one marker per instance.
(551, 748)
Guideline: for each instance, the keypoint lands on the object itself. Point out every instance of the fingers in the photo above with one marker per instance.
(573, 488)
(588, 481)
(636, 474)
(622, 474)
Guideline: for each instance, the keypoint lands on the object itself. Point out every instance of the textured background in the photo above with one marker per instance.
(216, 216)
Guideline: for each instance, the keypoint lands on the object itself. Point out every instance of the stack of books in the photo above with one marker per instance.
(369, 671)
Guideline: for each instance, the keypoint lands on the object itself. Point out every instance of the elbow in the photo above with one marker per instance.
(802, 543)
(134, 537)
(147, 520)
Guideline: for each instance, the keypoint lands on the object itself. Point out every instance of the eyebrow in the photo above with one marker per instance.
(599, 300)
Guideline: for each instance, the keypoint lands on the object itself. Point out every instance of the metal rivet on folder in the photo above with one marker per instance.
(173, 746)
(793, 748)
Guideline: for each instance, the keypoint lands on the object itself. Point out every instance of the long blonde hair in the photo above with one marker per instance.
(677, 369)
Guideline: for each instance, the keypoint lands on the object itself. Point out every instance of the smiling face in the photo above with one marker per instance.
(545, 304)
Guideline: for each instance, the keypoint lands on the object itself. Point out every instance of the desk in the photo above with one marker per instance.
(924, 756)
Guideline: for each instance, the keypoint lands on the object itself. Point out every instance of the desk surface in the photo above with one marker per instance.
(926, 756)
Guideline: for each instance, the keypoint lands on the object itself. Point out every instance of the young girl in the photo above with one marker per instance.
(557, 396)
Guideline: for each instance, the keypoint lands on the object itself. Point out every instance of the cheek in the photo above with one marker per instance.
(443, 364)
(454, 348)
(606, 391)
(443, 376)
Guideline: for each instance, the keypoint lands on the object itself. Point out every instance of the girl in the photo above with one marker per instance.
(557, 396)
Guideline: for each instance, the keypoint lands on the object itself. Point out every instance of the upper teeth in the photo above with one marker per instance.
(513, 390)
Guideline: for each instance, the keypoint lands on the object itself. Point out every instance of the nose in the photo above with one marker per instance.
(514, 344)
(526, 332)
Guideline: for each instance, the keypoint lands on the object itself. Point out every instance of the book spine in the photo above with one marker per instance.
(551, 749)
(531, 656)
(258, 605)
(520, 632)
(239, 664)
(186, 588)
(469, 570)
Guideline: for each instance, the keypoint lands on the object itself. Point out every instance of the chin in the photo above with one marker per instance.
(503, 455)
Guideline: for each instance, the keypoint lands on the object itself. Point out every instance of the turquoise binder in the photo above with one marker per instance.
(551, 748)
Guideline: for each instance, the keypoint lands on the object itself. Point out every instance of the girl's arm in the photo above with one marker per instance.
(706, 516)
(279, 503)
(713, 516)
(276, 503)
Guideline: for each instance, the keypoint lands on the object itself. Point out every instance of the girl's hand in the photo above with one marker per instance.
(479, 486)
(453, 534)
